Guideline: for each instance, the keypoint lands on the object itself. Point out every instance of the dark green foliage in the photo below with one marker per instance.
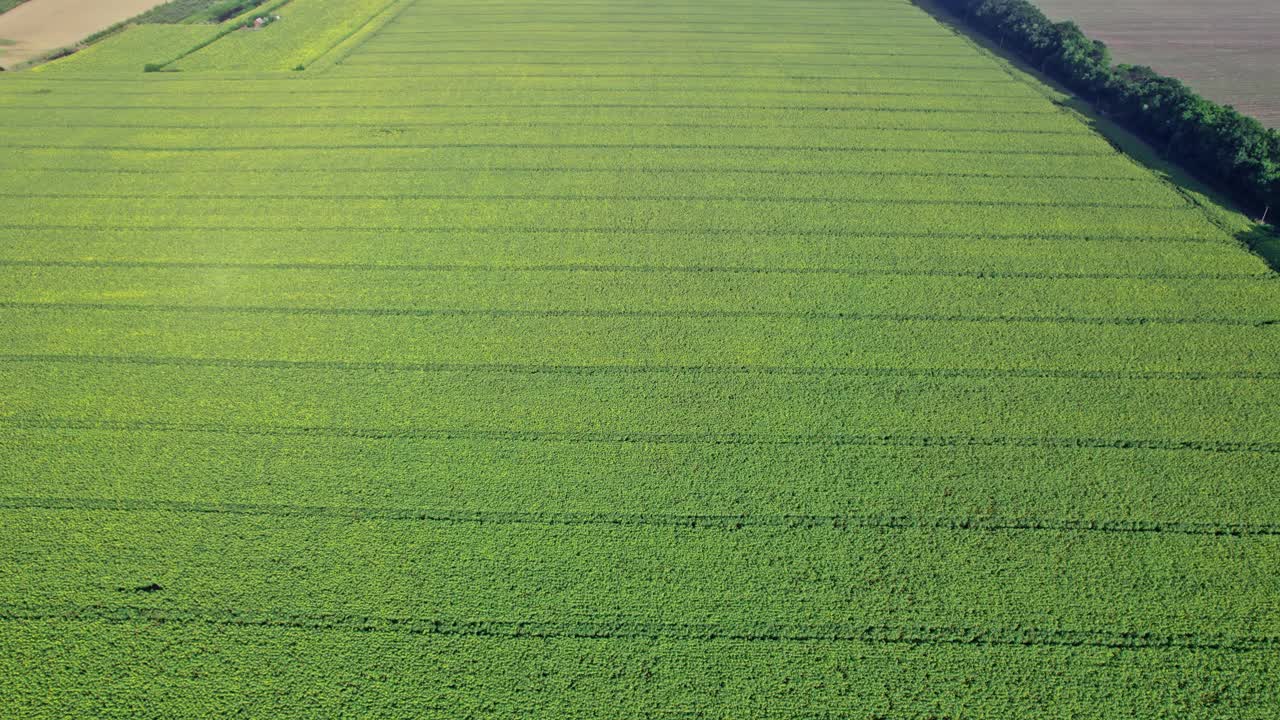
(195, 11)
(224, 10)
(1232, 150)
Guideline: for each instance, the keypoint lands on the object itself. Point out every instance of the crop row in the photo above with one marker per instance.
(592, 37)
(830, 200)
(336, 76)
(884, 130)
(603, 34)
(612, 629)
(730, 14)
(919, 346)
(1059, 487)
(546, 247)
(781, 105)
(884, 70)
(673, 215)
(479, 185)
(1101, 486)
(130, 50)
(654, 371)
(909, 25)
(911, 28)
(624, 630)
(659, 370)
(725, 580)
(812, 409)
(703, 62)
(279, 667)
(592, 40)
(986, 146)
(92, 91)
(725, 315)
(861, 269)
(714, 7)
(702, 520)
(619, 15)
(313, 27)
(407, 53)
(559, 158)
(997, 257)
(871, 131)
(606, 291)
(734, 439)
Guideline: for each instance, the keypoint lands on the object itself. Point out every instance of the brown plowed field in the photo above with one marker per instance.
(1228, 50)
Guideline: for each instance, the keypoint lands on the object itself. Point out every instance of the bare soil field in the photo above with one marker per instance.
(1226, 49)
(39, 26)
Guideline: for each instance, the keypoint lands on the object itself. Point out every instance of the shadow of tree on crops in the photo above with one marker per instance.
(1262, 240)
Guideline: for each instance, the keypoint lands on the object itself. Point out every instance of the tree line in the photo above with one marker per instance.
(1225, 147)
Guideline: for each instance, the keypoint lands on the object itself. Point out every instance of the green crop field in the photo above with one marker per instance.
(618, 359)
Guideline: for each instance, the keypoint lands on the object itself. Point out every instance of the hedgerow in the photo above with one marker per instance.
(510, 676)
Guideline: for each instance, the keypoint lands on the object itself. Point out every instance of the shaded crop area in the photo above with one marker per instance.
(583, 359)
(195, 11)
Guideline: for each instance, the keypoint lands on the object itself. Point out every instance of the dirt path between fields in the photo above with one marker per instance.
(39, 26)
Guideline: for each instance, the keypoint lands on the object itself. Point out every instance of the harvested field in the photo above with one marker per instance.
(584, 359)
(1227, 49)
